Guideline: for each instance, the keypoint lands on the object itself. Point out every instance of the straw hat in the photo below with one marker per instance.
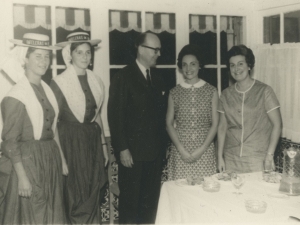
(34, 40)
(78, 37)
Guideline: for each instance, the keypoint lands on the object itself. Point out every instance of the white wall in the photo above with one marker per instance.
(99, 23)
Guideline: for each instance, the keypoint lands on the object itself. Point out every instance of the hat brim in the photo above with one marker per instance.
(92, 42)
(20, 43)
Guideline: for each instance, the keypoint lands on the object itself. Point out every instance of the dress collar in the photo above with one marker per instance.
(200, 83)
(246, 90)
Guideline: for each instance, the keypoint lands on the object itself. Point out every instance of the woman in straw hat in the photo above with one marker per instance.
(80, 94)
(32, 166)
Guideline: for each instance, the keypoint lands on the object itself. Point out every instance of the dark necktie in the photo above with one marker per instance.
(148, 78)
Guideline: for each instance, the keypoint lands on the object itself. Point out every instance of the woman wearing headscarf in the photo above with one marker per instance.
(80, 94)
(250, 120)
(32, 164)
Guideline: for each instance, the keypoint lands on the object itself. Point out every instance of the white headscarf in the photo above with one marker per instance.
(13, 64)
(66, 54)
(69, 84)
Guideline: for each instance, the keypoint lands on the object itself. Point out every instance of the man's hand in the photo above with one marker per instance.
(126, 158)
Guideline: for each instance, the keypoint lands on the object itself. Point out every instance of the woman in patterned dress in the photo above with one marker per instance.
(192, 120)
(250, 120)
(32, 165)
(80, 94)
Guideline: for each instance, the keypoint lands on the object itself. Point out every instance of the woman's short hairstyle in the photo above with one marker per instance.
(244, 51)
(190, 49)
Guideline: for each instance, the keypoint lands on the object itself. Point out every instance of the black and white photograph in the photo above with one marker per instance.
(150, 112)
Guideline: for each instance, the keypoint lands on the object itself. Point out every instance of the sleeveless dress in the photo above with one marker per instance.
(192, 109)
(42, 163)
(82, 147)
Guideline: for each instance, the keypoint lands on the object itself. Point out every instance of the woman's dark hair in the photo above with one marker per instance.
(76, 44)
(244, 51)
(190, 50)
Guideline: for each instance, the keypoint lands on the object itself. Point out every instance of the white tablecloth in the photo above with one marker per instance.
(191, 204)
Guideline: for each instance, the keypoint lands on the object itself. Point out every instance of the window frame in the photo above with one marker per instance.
(271, 10)
(100, 29)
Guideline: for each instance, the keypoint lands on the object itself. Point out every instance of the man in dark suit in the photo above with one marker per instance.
(136, 116)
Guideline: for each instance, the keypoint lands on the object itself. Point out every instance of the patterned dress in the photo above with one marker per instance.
(193, 119)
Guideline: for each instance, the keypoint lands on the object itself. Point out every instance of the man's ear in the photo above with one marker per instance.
(140, 50)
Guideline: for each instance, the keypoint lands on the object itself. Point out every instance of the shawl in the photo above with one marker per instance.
(69, 84)
(23, 92)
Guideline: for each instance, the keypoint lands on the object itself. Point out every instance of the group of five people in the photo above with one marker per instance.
(36, 152)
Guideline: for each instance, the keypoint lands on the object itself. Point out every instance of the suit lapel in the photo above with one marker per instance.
(142, 80)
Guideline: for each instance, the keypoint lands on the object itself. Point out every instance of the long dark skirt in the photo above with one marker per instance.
(81, 144)
(42, 164)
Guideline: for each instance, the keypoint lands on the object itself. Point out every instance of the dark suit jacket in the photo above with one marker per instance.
(136, 113)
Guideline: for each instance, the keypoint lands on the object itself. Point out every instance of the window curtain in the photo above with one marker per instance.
(278, 65)
(125, 21)
(31, 16)
(125, 26)
(163, 25)
(232, 26)
(160, 22)
(72, 18)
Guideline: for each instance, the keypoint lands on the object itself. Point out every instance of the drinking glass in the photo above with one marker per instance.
(238, 181)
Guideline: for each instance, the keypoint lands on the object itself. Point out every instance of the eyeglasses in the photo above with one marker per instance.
(156, 50)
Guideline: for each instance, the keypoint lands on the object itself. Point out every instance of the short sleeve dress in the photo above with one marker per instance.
(248, 126)
(42, 163)
(82, 147)
(193, 119)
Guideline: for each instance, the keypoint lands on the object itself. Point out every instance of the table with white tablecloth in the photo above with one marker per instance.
(191, 204)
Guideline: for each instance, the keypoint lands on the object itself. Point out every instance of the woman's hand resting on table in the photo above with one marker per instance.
(269, 163)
